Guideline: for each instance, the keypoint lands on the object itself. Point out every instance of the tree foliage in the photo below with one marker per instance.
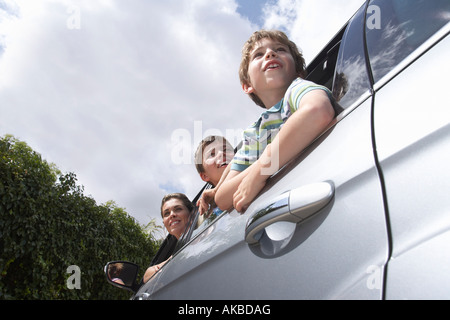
(47, 224)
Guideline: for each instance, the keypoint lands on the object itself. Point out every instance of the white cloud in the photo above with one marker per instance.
(99, 87)
(103, 100)
(281, 14)
(310, 24)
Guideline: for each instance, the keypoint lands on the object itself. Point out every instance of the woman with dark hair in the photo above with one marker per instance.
(176, 209)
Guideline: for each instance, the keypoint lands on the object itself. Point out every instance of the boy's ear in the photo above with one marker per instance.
(204, 177)
(247, 88)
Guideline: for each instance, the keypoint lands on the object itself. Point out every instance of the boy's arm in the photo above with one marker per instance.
(207, 196)
(314, 114)
(224, 193)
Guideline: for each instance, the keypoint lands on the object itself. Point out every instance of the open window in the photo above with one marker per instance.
(321, 69)
(196, 224)
(341, 66)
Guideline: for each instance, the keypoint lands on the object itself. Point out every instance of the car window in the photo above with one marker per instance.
(197, 223)
(321, 69)
(205, 221)
(351, 78)
(402, 26)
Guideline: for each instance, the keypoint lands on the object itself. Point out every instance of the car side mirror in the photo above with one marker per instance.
(122, 274)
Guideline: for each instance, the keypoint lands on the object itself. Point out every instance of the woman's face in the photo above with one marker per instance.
(175, 216)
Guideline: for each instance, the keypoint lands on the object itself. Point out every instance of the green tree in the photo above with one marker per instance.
(47, 224)
(155, 231)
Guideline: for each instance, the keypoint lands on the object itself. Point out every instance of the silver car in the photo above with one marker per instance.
(364, 211)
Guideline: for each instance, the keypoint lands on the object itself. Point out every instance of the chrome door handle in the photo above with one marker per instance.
(294, 206)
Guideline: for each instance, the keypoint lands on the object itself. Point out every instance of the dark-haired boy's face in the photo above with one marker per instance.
(271, 69)
(216, 157)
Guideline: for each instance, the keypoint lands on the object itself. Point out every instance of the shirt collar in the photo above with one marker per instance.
(275, 108)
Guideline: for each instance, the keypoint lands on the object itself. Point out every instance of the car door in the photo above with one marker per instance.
(412, 134)
(318, 230)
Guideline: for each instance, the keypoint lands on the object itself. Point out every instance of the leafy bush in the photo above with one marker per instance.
(47, 224)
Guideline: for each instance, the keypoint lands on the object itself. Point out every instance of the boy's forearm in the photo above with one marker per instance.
(305, 125)
(223, 177)
(224, 193)
(210, 195)
(299, 131)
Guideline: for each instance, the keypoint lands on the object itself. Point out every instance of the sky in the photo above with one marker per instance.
(122, 92)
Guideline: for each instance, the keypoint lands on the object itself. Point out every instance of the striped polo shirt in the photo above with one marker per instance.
(263, 131)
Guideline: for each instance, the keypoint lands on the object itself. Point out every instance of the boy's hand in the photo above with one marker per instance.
(205, 200)
(249, 188)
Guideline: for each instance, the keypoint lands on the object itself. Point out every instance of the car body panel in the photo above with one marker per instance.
(346, 233)
(415, 167)
(385, 233)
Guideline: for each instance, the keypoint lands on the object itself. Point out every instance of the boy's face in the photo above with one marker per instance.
(271, 69)
(216, 157)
